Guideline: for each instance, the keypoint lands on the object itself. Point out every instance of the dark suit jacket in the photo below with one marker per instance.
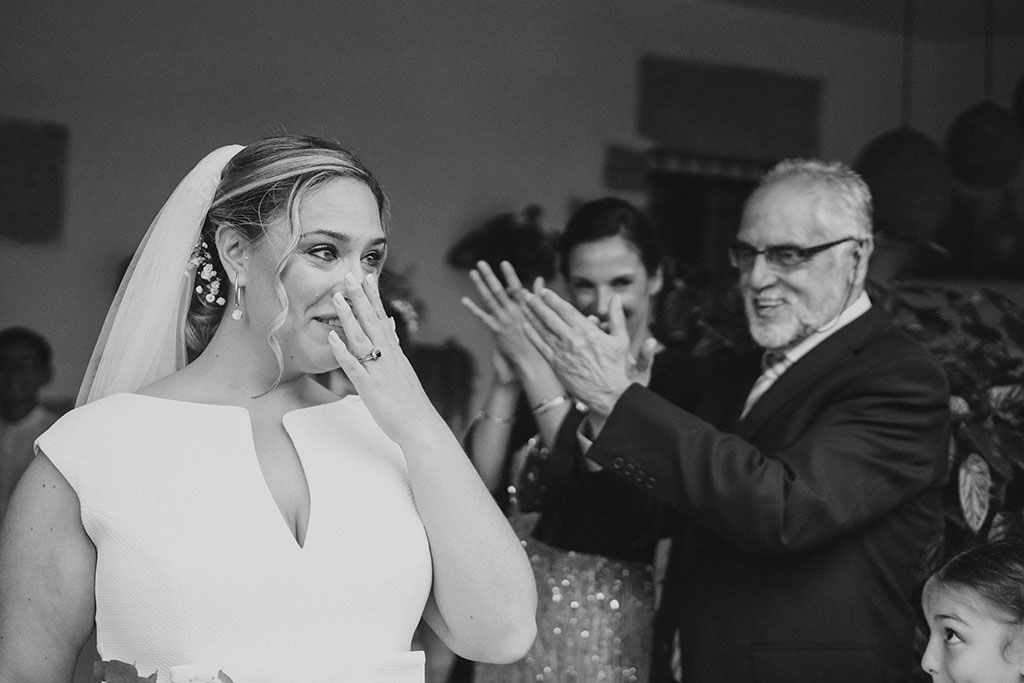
(599, 513)
(806, 521)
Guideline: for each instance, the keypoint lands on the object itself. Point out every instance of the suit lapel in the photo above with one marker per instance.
(819, 361)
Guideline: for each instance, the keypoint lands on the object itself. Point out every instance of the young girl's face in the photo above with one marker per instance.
(970, 641)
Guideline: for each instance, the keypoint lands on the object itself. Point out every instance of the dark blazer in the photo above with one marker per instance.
(806, 522)
(599, 513)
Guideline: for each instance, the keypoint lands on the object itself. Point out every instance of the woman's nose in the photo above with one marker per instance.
(604, 299)
(355, 269)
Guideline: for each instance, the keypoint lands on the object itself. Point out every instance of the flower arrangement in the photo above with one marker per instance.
(115, 671)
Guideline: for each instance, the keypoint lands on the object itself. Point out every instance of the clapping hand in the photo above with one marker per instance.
(502, 313)
(594, 365)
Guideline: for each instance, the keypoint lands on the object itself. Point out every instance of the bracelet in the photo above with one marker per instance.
(484, 415)
(549, 403)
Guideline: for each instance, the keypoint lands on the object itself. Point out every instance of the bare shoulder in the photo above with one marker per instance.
(47, 572)
(44, 507)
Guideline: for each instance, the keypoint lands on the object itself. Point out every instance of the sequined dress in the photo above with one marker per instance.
(594, 616)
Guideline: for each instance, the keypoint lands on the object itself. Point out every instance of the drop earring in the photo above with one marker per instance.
(237, 313)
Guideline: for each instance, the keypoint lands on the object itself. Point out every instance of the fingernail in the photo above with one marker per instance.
(338, 298)
(350, 280)
(333, 336)
(369, 279)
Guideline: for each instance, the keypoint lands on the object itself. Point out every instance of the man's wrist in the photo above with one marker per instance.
(602, 405)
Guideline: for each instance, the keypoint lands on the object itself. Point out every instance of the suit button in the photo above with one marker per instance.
(650, 483)
(628, 469)
(617, 463)
(640, 475)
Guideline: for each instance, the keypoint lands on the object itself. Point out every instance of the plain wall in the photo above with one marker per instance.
(464, 110)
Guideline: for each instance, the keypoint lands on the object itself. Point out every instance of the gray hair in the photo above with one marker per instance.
(842, 184)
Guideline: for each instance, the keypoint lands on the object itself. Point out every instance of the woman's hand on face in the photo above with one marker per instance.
(373, 360)
(502, 313)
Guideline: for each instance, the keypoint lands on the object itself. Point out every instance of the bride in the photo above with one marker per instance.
(210, 505)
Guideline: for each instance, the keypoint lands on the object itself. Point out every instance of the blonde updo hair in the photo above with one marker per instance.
(264, 181)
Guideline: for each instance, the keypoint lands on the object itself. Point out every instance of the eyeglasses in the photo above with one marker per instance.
(742, 255)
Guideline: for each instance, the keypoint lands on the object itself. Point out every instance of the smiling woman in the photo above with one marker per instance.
(592, 565)
(210, 505)
(301, 263)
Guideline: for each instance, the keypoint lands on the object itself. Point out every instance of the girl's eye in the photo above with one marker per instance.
(951, 636)
(324, 252)
(582, 286)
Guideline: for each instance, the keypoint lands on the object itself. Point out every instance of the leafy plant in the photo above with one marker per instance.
(979, 339)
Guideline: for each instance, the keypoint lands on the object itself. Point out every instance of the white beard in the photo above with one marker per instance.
(786, 328)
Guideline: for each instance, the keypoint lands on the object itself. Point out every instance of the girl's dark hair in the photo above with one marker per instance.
(994, 570)
(264, 181)
(610, 217)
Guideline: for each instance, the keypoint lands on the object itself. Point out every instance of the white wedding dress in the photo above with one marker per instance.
(196, 566)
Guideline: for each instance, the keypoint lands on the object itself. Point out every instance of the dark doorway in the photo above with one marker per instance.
(696, 205)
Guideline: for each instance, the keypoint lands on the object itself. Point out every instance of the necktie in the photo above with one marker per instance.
(773, 364)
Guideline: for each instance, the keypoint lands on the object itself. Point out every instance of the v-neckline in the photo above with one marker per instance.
(293, 533)
(253, 459)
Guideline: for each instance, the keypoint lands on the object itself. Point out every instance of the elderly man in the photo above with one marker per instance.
(809, 476)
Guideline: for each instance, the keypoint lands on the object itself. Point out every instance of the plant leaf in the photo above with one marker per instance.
(959, 407)
(975, 485)
(1006, 400)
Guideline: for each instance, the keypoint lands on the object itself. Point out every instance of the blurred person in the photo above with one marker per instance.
(809, 474)
(593, 564)
(210, 505)
(25, 368)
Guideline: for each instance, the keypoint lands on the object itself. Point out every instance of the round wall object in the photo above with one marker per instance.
(911, 183)
(984, 144)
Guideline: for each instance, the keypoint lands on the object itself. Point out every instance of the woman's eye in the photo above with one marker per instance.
(952, 636)
(374, 258)
(324, 252)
